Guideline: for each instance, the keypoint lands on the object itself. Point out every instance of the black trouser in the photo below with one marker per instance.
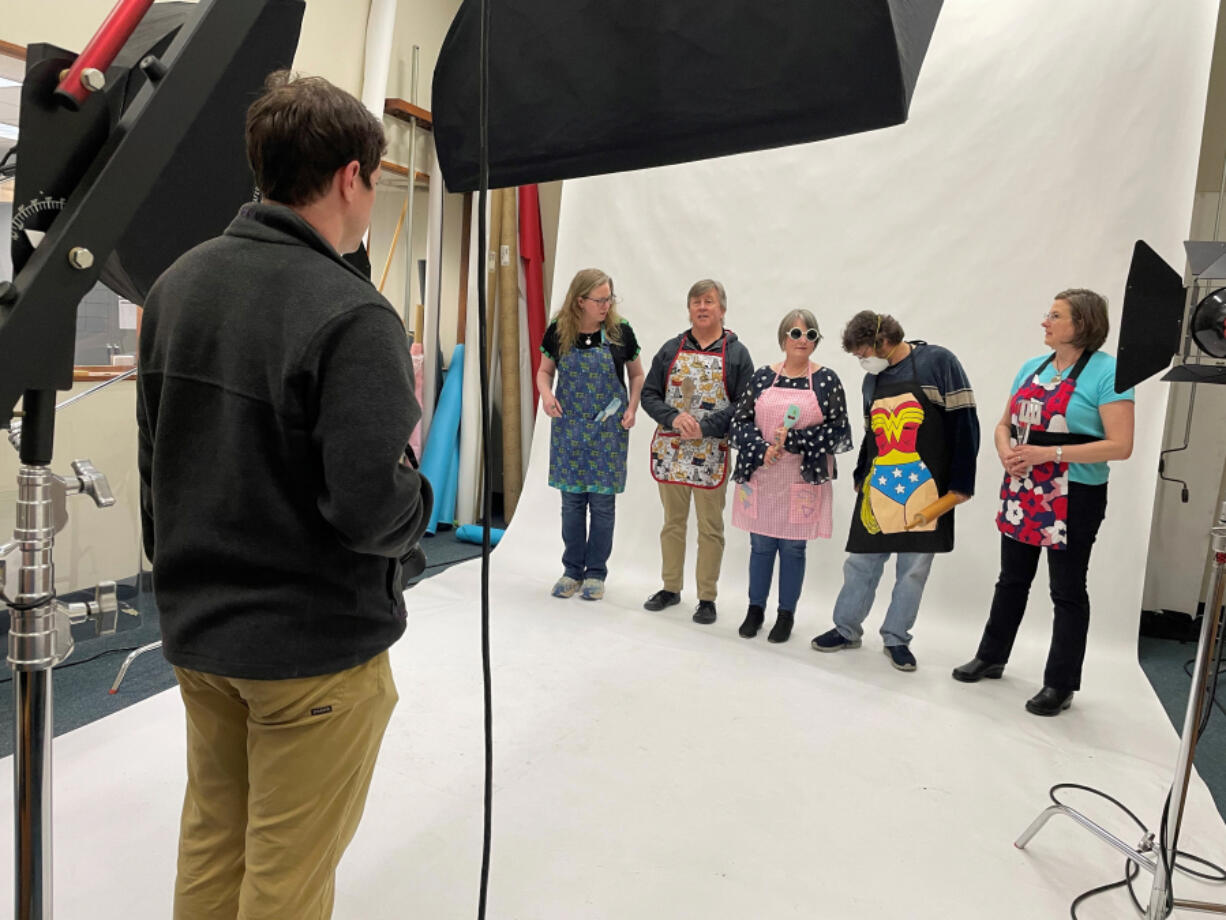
(1066, 569)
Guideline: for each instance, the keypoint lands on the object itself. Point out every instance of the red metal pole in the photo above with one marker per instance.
(101, 50)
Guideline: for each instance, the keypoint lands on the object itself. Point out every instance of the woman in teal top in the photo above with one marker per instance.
(1063, 422)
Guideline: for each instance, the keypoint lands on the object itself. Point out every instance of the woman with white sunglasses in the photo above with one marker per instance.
(789, 424)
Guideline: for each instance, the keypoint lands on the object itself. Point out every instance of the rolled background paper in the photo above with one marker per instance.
(440, 460)
(471, 533)
(508, 340)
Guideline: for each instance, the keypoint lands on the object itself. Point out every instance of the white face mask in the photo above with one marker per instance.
(874, 364)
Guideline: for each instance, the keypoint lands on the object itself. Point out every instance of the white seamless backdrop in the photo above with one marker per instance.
(1044, 139)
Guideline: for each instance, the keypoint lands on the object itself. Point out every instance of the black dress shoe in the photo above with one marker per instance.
(704, 613)
(976, 670)
(662, 599)
(782, 630)
(753, 621)
(1049, 702)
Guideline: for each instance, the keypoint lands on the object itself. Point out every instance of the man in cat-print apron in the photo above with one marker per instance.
(691, 391)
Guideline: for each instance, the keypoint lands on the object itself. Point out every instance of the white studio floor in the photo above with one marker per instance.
(651, 768)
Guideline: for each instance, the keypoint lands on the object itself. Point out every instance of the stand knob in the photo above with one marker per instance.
(93, 483)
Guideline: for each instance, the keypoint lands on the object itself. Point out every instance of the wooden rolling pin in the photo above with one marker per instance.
(943, 504)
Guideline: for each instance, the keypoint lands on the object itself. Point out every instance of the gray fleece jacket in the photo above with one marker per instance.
(275, 402)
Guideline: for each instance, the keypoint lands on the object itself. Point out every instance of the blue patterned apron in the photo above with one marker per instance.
(587, 455)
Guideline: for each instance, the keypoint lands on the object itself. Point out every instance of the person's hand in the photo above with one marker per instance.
(687, 426)
(1006, 459)
(1024, 456)
(773, 453)
(552, 407)
(780, 434)
(628, 419)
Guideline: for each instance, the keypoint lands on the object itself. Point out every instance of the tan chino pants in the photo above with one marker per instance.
(709, 509)
(277, 776)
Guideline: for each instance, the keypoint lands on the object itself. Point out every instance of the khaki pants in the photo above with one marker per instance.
(709, 509)
(277, 775)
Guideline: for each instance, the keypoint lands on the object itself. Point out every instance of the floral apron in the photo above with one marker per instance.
(1034, 508)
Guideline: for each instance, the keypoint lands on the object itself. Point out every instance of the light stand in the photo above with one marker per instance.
(40, 637)
(1160, 900)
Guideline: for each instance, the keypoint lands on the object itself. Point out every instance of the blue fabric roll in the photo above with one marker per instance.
(440, 462)
(471, 533)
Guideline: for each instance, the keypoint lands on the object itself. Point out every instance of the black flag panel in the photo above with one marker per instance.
(581, 87)
(207, 178)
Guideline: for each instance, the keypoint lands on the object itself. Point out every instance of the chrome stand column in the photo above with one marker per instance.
(1206, 654)
(38, 637)
(32, 793)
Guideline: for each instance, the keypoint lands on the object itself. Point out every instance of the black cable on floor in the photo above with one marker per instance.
(1173, 859)
(73, 664)
(487, 463)
(1132, 870)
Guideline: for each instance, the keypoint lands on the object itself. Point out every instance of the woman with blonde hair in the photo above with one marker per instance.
(595, 355)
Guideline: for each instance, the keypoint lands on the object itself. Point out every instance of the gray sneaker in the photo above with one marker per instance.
(900, 656)
(565, 587)
(833, 641)
(592, 590)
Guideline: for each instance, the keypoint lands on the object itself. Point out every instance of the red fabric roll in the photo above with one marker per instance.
(532, 254)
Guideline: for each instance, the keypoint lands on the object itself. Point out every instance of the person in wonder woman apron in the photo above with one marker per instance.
(787, 428)
(921, 441)
(1063, 422)
(692, 388)
(593, 351)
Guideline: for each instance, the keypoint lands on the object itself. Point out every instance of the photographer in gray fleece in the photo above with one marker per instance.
(275, 404)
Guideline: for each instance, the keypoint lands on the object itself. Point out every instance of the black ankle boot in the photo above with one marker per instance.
(753, 621)
(976, 670)
(1049, 702)
(782, 628)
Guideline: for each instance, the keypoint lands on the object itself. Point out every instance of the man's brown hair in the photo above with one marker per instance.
(301, 131)
(872, 329)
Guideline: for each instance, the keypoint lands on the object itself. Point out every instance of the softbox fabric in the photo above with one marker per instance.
(582, 88)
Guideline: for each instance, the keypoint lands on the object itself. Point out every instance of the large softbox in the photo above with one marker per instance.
(580, 87)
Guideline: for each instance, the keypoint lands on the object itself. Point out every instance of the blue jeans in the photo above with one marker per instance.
(585, 551)
(762, 552)
(861, 572)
